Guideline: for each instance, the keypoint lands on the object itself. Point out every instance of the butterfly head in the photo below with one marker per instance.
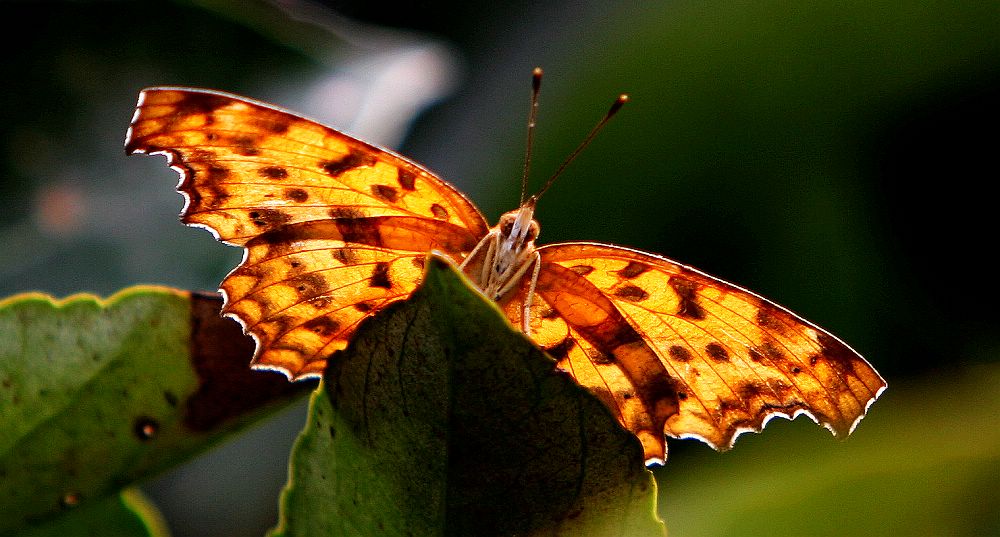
(518, 228)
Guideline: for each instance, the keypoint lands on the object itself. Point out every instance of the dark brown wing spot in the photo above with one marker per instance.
(755, 355)
(680, 354)
(837, 354)
(246, 145)
(385, 193)
(631, 293)
(561, 350)
(405, 179)
(310, 286)
(346, 256)
(439, 211)
(751, 390)
(600, 358)
(766, 319)
(352, 160)
(582, 270)
(216, 172)
(717, 352)
(418, 262)
(633, 269)
(380, 276)
(272, 126)
(272, 172)
(687, 292)
(202, 103)
(345, 212)
(364, 307)
(360, 230)
(268, 217)
(322, 326)
(297, 195)
(772, 352)
(548, 313)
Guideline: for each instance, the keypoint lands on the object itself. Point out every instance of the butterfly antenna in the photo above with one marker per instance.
(536, 86)
(615, 107)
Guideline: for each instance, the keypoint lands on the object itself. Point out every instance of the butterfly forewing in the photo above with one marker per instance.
(698, 356)
(334, 228)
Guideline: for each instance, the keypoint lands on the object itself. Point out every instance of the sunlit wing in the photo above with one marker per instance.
(334, 228)
(673, 350)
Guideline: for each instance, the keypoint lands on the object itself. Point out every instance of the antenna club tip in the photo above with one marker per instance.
(615, 106)
(537, 71)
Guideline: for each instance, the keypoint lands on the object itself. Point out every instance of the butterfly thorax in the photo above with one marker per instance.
(502, 258)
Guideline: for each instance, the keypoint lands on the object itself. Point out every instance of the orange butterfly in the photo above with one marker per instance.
(335, 229)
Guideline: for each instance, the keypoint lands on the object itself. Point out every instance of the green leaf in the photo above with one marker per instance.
(96, 395)
(128, 514)
(441, 419)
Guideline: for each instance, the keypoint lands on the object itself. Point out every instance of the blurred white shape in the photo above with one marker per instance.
(377, 94)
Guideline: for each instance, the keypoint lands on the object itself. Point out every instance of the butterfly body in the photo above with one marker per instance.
(335, 229)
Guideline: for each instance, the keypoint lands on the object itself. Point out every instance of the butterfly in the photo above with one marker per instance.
(335, 229)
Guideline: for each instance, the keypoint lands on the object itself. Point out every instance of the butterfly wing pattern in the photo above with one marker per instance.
(672, 350)
(335, 229)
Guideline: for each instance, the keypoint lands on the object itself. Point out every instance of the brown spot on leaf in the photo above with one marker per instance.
(272, 172)
(687, 292)
(380, 276)
(439, 211)
(717, 352)
(297, 195)
(385, 193)
(405, 178)
(679, 353)
(633, 269)
(145, 428)
(631, 293)
(227, 387)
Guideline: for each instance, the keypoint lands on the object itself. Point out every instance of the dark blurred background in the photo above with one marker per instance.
(839, 158)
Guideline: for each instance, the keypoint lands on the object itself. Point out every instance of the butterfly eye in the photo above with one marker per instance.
(533, 231)
(506, 227)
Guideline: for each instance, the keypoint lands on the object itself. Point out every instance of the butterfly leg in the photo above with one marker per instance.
(491, 240)
(526, 310)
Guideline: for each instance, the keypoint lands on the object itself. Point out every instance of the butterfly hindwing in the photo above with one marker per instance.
(700, 357)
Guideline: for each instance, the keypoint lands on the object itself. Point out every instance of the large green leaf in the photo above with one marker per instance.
(441, 419)
(96, 395)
